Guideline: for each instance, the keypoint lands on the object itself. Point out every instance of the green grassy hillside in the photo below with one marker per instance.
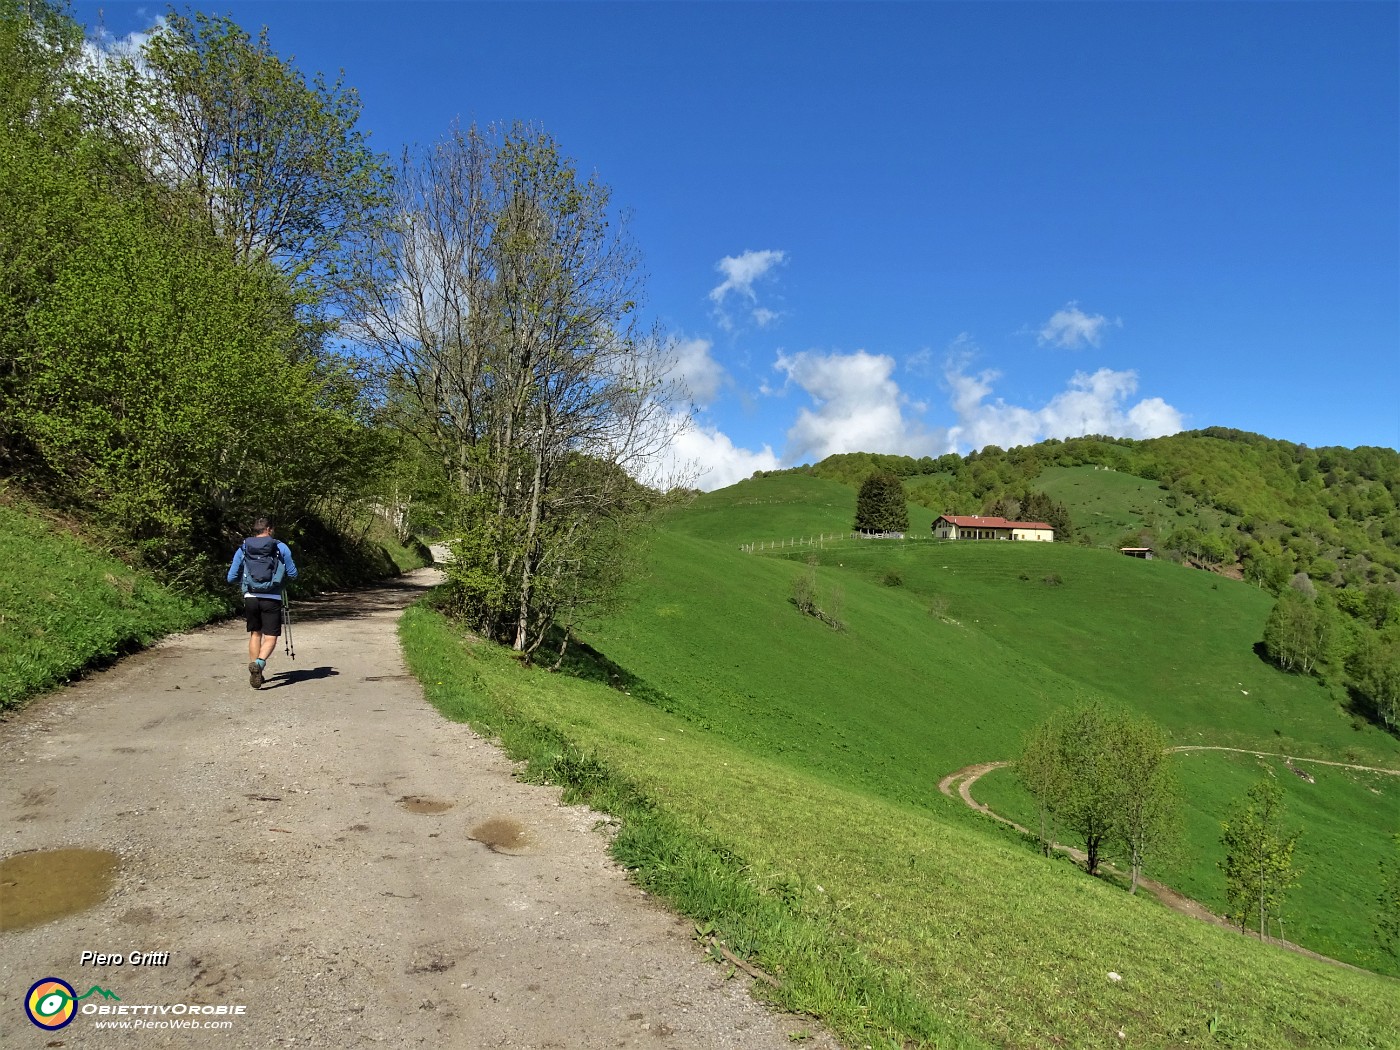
(782, 778)
(973, 648)
(1105, 504)
(1330, 512)
(64, 605)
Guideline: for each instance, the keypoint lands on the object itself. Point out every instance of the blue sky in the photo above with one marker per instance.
(928, 227)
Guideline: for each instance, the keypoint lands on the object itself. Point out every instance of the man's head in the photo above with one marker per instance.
(262, 526)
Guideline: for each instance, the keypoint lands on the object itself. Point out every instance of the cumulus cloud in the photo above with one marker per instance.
(702, 456)
(741, 274)
(698, 372)
(857, 407)
(741, 271)
(1094, 403)
(1071, 328)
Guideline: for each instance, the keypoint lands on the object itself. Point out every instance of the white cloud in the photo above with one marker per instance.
(764, 317)
(704, 457)
(857, 407)
(1071, 328)
(700, 374)
(1091, 404)
(741, 271)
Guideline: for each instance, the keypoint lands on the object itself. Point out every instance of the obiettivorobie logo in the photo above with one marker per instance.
(52, 1004)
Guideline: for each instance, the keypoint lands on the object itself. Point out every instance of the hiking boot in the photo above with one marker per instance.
(255, 676)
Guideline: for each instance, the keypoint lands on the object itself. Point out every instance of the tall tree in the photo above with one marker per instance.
(1258, 862)
(880, 504)
(502, 317)
(152, 373)
(1045, 776)
(1088, 806)
(278, 165)
(1374, 666)
(1148, 808)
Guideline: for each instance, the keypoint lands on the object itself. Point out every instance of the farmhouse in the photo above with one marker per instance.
(976, 527)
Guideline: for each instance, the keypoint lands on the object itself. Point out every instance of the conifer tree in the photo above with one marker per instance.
(880, 506)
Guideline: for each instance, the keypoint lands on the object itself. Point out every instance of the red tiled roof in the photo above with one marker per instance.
(973, 521)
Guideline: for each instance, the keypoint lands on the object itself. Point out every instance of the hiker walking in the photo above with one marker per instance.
(262, 562)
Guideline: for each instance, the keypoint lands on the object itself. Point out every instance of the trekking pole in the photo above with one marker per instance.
(289, 647)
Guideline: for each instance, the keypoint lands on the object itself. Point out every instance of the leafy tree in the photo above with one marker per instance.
(148, 370)
(1046, 777)
(880, 505)
(277, 165)
(498, 314)
(1148, 809)
(1258, 862)
(1104, 775)
(1037, 506)
(1299, 632)
(1374, 666)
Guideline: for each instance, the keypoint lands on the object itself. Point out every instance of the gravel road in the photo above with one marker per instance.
(336, 859)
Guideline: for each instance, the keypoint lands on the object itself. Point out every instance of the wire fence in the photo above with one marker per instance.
(829, 539)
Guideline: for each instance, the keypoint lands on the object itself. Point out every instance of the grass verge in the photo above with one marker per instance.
(65, 606)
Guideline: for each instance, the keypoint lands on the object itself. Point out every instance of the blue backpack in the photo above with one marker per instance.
(263, 567)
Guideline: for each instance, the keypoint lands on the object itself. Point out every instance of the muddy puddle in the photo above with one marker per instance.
(39, 887)
(424, 804)
(501, 835)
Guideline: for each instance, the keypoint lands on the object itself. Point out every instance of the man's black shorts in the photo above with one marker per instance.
(264, 614)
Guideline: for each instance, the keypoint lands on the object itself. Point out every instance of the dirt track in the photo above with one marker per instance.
(963, 779)
(333, 856)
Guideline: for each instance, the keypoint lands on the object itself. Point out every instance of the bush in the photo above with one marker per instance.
(893, 578)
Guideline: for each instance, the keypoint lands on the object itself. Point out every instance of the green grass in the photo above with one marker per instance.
(784, 507)
(64, 606)
(1104, 504)
(1173, 643)
(897, 924)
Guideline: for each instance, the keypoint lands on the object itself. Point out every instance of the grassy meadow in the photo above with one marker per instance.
(793, 771)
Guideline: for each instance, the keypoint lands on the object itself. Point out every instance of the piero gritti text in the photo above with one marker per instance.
(129, 959)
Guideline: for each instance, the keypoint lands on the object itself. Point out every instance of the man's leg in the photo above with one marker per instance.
(263, 643)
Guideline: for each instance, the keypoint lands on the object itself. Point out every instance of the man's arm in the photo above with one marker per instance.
(237, 565)
(286, 553)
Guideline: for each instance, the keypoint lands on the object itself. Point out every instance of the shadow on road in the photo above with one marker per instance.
(310, 674)
(396, 594)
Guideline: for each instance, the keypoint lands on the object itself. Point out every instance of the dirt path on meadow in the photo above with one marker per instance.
(959, 784)
(334, 857)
